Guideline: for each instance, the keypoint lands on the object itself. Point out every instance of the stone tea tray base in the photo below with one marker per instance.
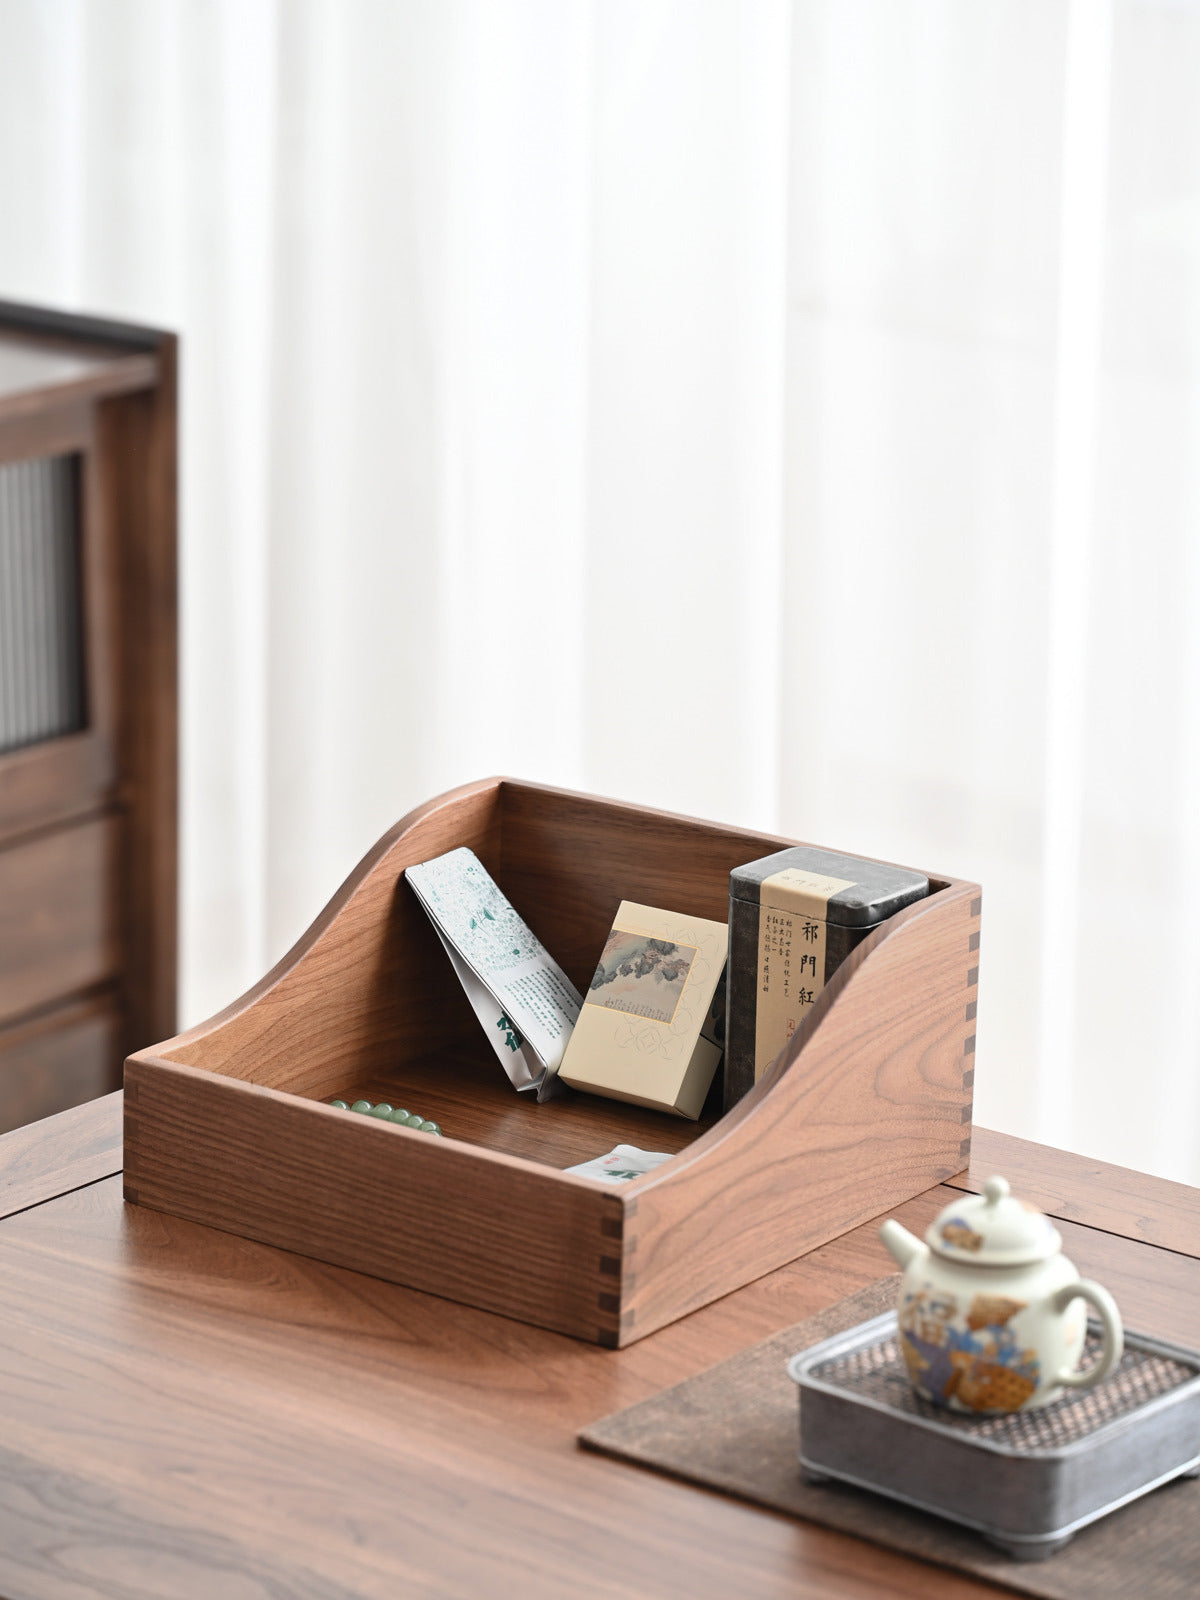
(1029, 1480)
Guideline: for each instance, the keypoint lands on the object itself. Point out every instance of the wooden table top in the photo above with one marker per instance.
(186, 1413)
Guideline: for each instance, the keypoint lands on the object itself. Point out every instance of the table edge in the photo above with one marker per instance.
(49, 1158)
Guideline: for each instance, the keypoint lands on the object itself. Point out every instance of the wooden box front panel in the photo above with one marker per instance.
(435, 1214)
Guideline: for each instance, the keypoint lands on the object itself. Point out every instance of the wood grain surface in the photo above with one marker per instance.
(367, 985)
(438, 1214)
(1080, 1189)
(609, 851)
(62, 1152)
(470, 1100)
(190, 1414)
(879, 1075)
(877, 1080)
(135, 492)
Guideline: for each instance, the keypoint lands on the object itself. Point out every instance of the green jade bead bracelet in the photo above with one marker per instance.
(385, 1113)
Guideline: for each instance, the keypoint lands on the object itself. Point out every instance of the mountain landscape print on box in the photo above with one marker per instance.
(641, 975)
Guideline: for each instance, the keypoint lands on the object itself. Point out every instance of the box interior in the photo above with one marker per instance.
(372, 1008)
(467, 1094)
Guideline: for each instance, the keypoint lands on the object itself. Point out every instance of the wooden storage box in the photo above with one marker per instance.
(869, 1104)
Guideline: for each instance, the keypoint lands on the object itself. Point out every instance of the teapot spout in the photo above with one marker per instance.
(901, 1245)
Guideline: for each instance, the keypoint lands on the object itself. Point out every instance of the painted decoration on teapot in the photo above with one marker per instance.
(968, 1359)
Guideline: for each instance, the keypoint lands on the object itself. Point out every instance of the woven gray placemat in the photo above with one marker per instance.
(734, 1428)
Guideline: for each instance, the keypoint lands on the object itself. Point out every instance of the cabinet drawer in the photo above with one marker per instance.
(58, 917)
(62, 1059)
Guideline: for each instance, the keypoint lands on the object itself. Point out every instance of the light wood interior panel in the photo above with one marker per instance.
(369, 987)
(466, 1093)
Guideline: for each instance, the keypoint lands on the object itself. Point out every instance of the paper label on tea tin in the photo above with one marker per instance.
(792, 936)
(794, 889)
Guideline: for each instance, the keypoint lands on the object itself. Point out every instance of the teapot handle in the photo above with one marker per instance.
(1114, 1338)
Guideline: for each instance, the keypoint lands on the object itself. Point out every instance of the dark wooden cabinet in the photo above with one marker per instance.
(88, 697)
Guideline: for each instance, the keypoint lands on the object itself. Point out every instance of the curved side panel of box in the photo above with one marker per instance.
(869, 1104)
(365, 976)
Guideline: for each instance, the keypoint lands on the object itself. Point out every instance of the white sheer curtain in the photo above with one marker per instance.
(781, 412)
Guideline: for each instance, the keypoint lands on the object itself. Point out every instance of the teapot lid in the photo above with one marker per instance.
(993, 1230)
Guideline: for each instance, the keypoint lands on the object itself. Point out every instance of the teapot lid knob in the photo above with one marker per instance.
(993, 1230)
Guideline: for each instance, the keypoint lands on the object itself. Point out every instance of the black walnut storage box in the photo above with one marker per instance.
(869, 1104)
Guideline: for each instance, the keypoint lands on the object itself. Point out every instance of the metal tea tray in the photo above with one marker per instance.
(1027, 1480)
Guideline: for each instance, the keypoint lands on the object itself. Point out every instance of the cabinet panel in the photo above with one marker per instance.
(67, 1056)
(57, 714)
(58, 914)
(88, 751)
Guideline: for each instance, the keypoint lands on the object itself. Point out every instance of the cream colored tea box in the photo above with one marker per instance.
(650, 1030)
(793, 918)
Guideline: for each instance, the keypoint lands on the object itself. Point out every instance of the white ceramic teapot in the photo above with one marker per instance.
(991, 1312)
